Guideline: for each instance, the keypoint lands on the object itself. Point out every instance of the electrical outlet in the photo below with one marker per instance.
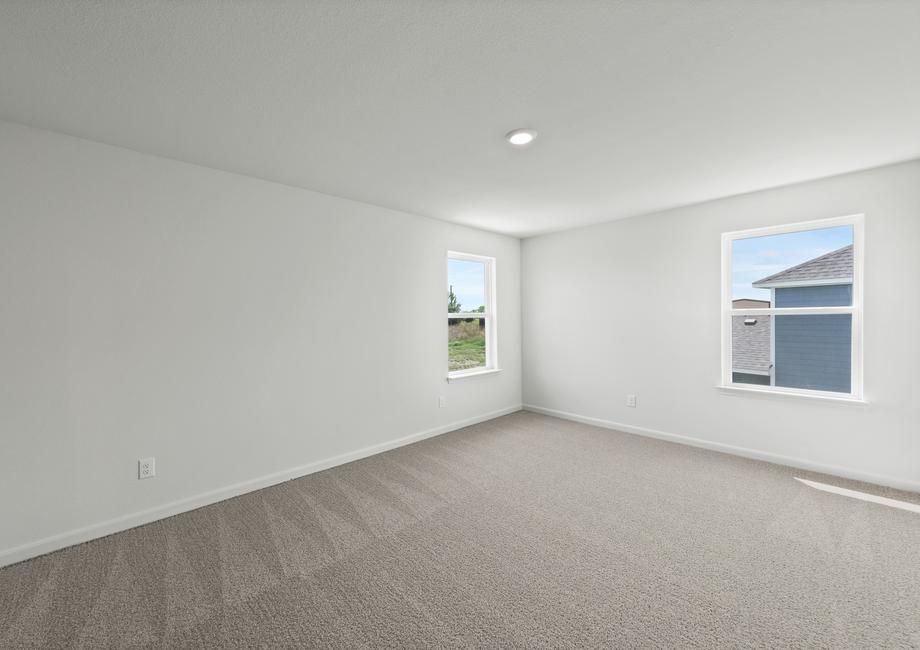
(442, 401)
(631, 401)
(146, 468)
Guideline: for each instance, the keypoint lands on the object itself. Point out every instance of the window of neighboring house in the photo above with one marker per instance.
(470, 314)
(792, 308)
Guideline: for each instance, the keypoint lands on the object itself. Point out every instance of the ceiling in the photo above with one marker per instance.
(640, 106)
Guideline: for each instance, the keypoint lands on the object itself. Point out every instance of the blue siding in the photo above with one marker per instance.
(830, 295)
(813, 351)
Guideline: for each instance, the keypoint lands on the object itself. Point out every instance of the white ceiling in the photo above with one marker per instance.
(640, 105)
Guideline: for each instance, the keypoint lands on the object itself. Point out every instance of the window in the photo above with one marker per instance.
(470, 315)
(792, 308)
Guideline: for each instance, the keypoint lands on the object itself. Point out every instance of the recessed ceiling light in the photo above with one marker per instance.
(521, 137)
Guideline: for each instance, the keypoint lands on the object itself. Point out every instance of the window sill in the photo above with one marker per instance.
(454, 376)
(845, 399)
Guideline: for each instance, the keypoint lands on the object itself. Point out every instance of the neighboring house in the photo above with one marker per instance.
(809, 351)
(751, 356)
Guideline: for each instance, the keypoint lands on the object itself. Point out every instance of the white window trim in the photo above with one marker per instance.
(806, 283)
(489, 315)
(857, 221)
(471, 373)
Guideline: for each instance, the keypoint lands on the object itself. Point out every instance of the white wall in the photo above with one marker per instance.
(632, 306)
(233, 328)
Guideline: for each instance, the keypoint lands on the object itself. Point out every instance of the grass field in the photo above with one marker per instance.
(466, 353)
(466, 345)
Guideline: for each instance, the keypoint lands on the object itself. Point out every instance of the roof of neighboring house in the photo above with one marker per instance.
(750, 303)
(751, 344)
(835, 265)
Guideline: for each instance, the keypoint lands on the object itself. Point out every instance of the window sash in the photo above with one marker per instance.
(488, 316)
(855, 309)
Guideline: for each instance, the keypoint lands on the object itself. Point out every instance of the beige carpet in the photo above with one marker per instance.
(526, 531)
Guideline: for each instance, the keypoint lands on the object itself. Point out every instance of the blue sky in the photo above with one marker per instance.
(758, 257)
(469, 281)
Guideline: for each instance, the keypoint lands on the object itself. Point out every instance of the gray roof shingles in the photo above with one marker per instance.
(837, 264)
(751, 344)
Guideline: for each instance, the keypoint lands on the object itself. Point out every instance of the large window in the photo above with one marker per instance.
(792, 308)
(470, 314)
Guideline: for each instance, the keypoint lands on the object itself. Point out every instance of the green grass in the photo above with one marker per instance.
(466, 353)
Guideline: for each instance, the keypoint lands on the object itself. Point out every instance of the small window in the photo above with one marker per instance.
(792, 299)
(470, 314)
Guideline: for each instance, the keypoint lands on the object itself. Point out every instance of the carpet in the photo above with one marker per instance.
(525, 531)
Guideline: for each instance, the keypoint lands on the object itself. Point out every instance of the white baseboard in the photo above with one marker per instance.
(124, 522)
(908, 485)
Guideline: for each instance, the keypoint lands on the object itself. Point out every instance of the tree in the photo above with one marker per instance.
(453, 307)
